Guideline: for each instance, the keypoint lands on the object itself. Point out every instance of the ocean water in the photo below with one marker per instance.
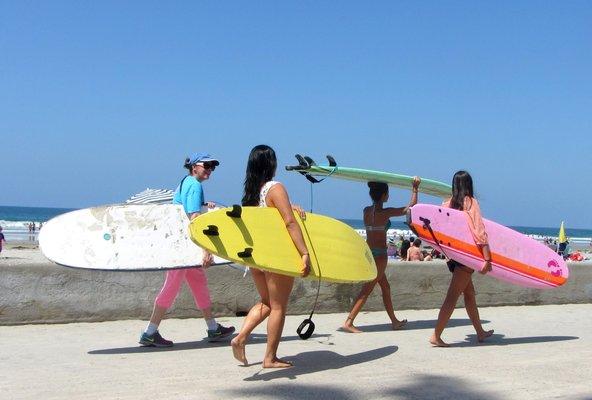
(15, 220)
(578, 238)
(528, 230)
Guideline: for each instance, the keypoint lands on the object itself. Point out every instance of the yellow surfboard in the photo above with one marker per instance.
(257, 237)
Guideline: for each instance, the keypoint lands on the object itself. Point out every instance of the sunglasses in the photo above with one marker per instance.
(209, 166)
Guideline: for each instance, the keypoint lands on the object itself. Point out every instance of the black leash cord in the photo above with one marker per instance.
(426, 223)
(307, 327)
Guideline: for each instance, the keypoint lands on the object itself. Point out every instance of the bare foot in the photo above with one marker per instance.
(276, 363)
(399, 324)
(238, 350)
(438, 342)
(348, 326)
(484, 335)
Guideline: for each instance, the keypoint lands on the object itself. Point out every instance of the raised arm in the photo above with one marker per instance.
(278, 197)
(397, 212)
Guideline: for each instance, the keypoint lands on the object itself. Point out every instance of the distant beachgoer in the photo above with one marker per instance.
(404, 249)
(398, 244)
(414, 252)
(435, 254)
(2, 240)
(30, 227)
(461, 282)
(561, 249)
(391, 249)
(261, 190)
(426, 256)
(377, 221)
(190, 195)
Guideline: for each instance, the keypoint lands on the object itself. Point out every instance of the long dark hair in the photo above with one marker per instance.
(462, 186)
(377, 190)
(260, 169)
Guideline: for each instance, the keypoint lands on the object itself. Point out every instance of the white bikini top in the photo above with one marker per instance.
(264, 191)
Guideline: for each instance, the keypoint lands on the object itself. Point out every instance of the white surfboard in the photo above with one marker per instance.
(122, 238)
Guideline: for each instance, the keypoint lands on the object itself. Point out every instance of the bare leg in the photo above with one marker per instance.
(157, 314)
(388, 303)
(256, 315)
(458, 283)
(207, 313)
(279, 287)
(348, 325)
(473, 312)
(385, 287)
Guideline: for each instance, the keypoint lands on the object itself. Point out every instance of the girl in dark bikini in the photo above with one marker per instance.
(376, 219)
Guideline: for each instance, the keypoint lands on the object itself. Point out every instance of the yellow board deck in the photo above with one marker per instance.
(337, 252)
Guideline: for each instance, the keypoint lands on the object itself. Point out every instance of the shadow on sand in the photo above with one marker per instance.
(427, 386)
(416, 325)
(202, 344)
(502, 340)
(422, 387)
(316, 361)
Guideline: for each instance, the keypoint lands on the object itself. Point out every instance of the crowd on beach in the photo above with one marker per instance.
(411, 249)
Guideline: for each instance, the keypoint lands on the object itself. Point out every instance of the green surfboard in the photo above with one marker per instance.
(311, 170)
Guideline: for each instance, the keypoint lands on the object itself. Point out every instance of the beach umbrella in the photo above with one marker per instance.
(562, 237)
(152, 196)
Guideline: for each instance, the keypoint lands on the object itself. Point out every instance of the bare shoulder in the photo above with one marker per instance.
(277, 187)
(277, 193)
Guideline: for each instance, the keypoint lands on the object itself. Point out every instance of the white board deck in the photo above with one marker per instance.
(119, 237)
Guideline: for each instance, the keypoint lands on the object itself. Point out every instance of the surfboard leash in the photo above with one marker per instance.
(307, 323)
(427, 224)
(304, 164)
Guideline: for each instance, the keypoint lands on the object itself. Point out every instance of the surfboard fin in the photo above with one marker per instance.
(246, 253)
(236, 211)
(332, 162)
(302, 161)
(302, 165)
(309, 160)
(211, 231)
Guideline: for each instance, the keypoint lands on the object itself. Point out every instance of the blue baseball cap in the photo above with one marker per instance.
(201, 158)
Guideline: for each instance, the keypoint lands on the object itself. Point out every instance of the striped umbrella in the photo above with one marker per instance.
(152, 196)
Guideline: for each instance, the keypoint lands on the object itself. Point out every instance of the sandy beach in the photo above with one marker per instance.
(21, 253)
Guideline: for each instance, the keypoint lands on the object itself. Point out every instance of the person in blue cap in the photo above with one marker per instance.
(190, 195)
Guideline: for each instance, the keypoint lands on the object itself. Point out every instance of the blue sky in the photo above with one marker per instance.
(99, 100)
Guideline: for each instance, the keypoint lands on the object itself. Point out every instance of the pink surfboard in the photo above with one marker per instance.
(515, 258)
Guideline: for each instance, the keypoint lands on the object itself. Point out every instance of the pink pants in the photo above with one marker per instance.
(197, 281)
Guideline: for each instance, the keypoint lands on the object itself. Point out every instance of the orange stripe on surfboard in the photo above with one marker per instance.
(496, 258)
